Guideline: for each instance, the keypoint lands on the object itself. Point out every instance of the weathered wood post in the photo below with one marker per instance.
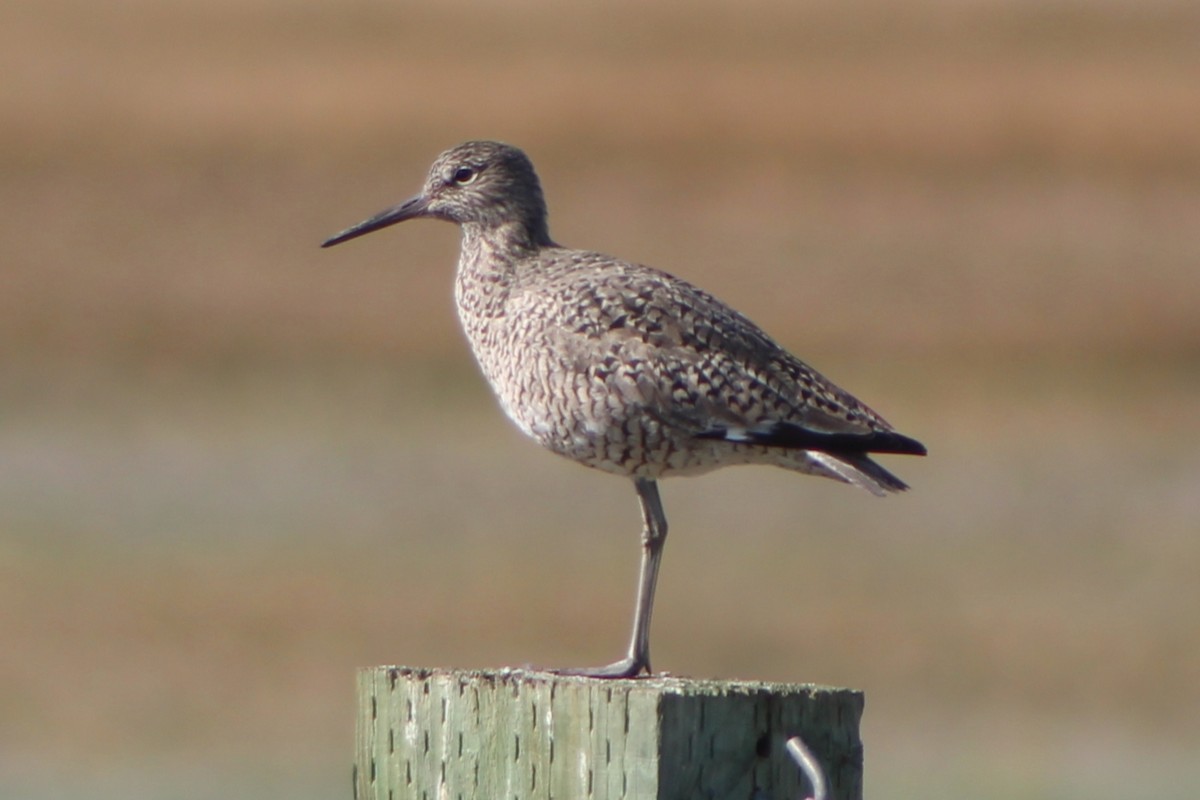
(517, 735)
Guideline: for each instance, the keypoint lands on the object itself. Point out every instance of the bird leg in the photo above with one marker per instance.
(654, 534)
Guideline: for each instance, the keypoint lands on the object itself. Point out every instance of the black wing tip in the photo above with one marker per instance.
(900, 444)
(784, 434)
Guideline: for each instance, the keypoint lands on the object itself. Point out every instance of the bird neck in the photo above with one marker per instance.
(507, 240)
(490, 266)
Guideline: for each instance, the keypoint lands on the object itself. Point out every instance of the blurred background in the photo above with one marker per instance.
(235, 467)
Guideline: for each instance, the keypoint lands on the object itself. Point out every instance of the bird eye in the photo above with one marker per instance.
(464, 175)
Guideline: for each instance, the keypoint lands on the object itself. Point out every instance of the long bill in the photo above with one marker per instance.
(414, 207)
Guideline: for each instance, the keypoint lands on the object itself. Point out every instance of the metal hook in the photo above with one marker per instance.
(809, 765)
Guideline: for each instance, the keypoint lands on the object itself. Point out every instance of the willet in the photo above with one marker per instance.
(625, 368)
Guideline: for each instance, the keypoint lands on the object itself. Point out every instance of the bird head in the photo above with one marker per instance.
(484, 185)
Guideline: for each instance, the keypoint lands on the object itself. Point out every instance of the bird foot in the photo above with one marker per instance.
(628, 667)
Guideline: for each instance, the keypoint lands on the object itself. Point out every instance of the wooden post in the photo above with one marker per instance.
(515, 735)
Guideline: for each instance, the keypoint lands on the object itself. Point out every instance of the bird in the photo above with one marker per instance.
(626, 368)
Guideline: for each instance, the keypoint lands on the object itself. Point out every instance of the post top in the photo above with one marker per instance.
(663, 683)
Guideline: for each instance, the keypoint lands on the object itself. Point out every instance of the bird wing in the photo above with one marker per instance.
(677, 353)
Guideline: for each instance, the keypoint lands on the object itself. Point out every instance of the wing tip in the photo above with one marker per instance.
(904, 445)
(786, 434)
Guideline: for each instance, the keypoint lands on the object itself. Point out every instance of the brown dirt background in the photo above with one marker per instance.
(234, 467)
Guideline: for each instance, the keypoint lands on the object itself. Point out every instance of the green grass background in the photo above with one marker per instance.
(234, 467)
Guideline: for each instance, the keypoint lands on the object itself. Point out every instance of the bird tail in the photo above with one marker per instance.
(856, 469)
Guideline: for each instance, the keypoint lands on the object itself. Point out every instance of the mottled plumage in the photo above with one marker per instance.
(623, 367)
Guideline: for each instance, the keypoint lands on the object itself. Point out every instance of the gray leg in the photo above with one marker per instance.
(654, 534)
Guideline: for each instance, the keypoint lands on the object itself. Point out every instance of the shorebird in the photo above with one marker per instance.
(626, 368)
